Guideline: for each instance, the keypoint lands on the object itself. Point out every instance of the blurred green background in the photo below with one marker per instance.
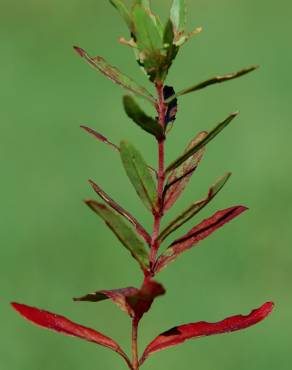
(54, 248)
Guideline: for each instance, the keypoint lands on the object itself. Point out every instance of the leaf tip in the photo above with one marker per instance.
(270, 306)
(21, 309)
(88, 202)
(15, 305)
(79, 51)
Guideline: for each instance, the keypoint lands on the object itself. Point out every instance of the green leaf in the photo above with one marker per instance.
(147, 34)
(212, 134)
(139, 175)
(178, 16)
(123, 10)
(141, 119)
(115, 75)
(212, 81)
(168, 39)
(122, 231)
(195, 208)
(149, 40)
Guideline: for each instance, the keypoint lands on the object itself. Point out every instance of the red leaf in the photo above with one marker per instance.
(179, 334)
(135, 302)
(196, 234)
(142, 301)
(179, 177)
(62, 325)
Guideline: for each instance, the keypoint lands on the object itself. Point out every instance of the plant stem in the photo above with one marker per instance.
(135, 324)
(161, 111)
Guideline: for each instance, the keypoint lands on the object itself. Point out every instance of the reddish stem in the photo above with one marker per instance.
(161, 110)
(135, 324)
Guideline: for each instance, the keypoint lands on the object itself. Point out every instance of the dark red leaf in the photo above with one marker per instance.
(179, 334)
(135, 302)
(62, 325)
(118, 296)
(140, 229)
(179, 177)
(196, 234)
(142, 301)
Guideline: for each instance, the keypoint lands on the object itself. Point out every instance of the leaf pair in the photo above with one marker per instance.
(195, 208)
(135, 302)
(197, 234)
(172, 337)
(181, 170)
(143, 182)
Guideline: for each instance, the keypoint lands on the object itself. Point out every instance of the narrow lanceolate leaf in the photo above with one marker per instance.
(135, 302)
(212, 134)
(123, 10)
(114, 74)
(147, 123)
(170, 47)
(103, 139)
(179, 177)
(139, 175)
(212, 81)
(194, 208)
(64, 326)
(100, 137)
(180, 334)
(140, 229)
(178, 16)
(122, 231)
(196, 234)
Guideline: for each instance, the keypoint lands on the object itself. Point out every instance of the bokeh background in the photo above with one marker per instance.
(54, 248)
